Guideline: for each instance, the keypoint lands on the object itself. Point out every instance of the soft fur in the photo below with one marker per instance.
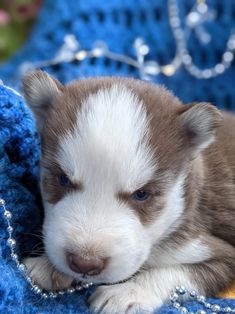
(111, 137)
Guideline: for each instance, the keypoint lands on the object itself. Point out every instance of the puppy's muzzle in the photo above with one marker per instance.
(87, 266)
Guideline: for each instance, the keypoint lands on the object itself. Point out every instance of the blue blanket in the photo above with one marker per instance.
(117, 22)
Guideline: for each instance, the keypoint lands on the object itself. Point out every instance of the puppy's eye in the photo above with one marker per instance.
(64, 181)
(140, 195)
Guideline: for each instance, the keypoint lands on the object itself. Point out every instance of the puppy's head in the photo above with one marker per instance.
(115, 155)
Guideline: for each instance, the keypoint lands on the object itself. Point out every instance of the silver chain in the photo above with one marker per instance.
(211, 308)
(183, 54)
(11, 242)
(71, 51)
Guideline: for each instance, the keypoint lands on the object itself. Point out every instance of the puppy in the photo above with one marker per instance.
(138, 191)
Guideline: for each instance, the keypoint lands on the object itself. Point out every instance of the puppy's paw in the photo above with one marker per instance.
(126, 298)
(43, 273)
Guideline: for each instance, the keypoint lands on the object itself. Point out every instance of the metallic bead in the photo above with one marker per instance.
(187, 59)
(202, 8)
(78, 287)
(143, 50)
(193, 19)
(174, 297)
(179, 35)
(36, 289)
(207, 305)
(17, 263)
(215, 308)
(14, 256)
(219, 68)
(22, 267)
(70, 290)
(175, 21)
(86, 285)
(231, 43)
(29, 280)
(2, 202)
(151, 67)
(97, 52)
(228, 56)
(168, 70)
(176, 305)
(183, 310)
(70, 41)
(207, 73)
(53, 295)
(61, 292)
(101, 46)
(81, 55)
(201, 299)
(10, 229)
(182, 290)
(7, 214)
(201, 312)
(227, 309)
(45, 295)
(193, 294)
(11, 242)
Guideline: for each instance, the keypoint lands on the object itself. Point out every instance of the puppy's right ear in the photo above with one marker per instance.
(40, 90)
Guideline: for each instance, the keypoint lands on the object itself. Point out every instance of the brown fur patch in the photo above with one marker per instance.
(149, 209)
(54, 192)
(217, 273)
(161, 108)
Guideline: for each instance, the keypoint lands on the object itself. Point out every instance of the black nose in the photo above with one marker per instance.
(88, 266)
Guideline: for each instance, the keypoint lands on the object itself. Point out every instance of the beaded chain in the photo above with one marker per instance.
(200, 13)
(22, 268)
(174, 297)
(209, 307)
(183, 56)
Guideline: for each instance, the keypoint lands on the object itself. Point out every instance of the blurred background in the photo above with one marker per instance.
(16, 20)
(186, 45)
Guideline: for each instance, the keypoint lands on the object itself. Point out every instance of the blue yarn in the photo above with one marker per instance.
(118, 23)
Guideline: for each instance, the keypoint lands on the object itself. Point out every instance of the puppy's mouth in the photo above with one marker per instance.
(120, 281)
(88, 279)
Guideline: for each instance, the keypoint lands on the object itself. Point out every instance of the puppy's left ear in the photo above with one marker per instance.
(40, 91)
(199, 122)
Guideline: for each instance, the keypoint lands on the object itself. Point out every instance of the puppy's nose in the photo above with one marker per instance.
(89, 266)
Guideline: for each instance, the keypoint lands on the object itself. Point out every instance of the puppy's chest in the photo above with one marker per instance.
(188, 252)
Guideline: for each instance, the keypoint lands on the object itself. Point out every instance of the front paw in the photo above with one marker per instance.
(43, 273)
(122, 299)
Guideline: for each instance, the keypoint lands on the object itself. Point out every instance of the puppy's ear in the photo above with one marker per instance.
(40, 90)
(199, 122)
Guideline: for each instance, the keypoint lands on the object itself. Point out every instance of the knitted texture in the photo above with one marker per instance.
(19, 157)
(119, 23)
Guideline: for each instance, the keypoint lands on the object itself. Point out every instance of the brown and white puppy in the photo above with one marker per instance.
(135, 185)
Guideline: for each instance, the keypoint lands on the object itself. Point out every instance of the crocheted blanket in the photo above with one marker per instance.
(118, 23)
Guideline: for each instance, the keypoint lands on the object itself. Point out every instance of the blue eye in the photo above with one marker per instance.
(140, 195)
(64, 181)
